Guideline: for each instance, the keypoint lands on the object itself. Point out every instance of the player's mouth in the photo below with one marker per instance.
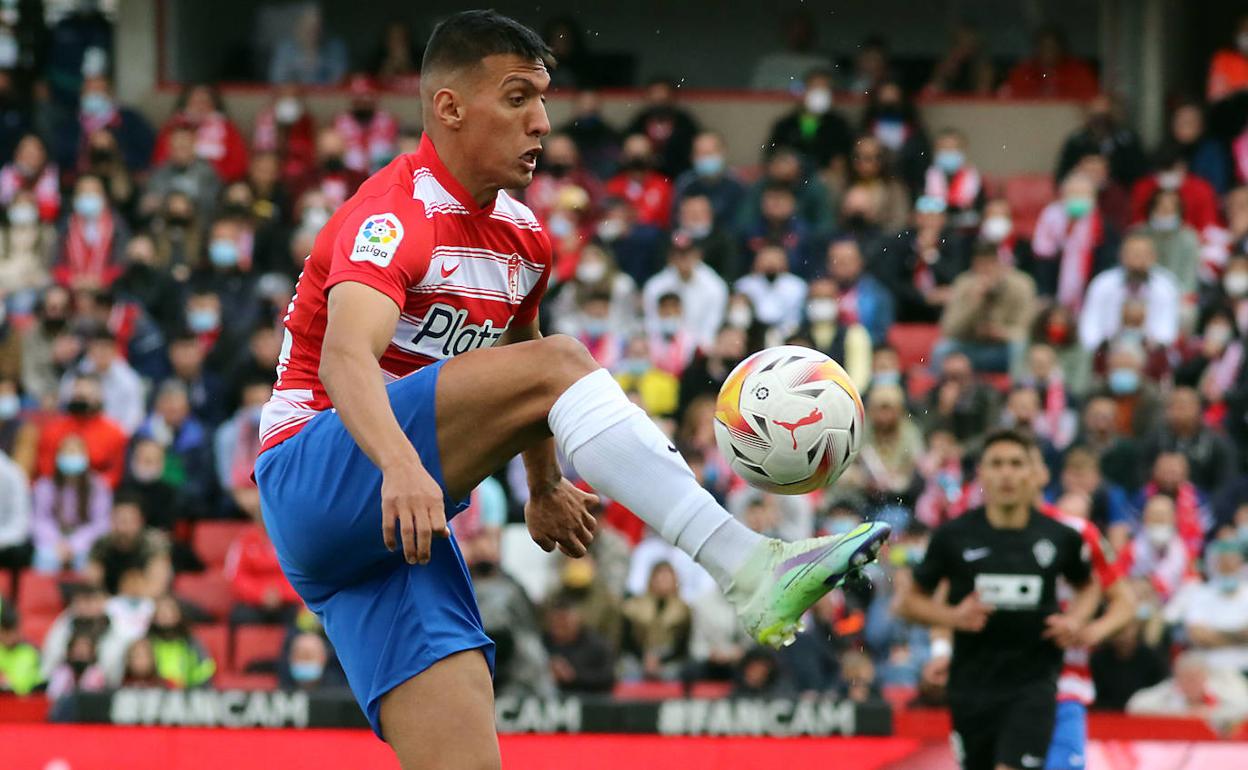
(529, 159)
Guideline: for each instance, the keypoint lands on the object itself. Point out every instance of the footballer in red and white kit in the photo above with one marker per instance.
(462, 275)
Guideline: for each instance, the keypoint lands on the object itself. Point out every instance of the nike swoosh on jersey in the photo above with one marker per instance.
(975, 554)
(448, 273)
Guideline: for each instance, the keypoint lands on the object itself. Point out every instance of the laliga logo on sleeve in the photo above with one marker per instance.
(377, 240)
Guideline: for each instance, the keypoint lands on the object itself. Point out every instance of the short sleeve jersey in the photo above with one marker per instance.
(1016, 572)
(460, 273)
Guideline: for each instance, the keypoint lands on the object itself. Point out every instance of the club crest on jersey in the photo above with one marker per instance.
(513, 278)
(377, 240)
(1044, 551)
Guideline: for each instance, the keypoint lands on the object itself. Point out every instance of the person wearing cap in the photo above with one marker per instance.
(920, 265)
(370, 132)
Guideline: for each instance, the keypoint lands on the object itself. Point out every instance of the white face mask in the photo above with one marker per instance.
(287, 110)
(23, 214)
(996, 229)
(591, 272)
(740, 317)
(821, 310)
(818, 101)
(1219, 334)
(1159, 535)
(1236, 284)
(1170, 180)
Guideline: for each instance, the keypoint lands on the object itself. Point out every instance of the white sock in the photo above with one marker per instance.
(615, 447)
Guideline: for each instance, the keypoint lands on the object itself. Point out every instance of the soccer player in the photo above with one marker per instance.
(1001, 564)
(412, 368)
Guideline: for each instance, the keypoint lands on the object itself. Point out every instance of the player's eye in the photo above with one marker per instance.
(517, 100)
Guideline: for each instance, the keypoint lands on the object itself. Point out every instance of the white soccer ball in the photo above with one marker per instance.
(789, 420)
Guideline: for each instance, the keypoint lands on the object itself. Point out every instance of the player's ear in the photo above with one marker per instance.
(448, 108)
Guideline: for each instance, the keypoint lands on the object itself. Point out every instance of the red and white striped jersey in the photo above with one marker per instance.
(460, 273)
(1075, 681)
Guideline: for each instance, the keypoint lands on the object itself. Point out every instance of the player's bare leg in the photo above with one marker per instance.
(443, 719)
(493, 404)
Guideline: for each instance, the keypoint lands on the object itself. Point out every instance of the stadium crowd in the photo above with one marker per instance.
(145, 270)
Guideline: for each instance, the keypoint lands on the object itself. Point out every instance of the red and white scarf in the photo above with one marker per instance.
(364, 143)
(212, 137)
(1188, 514)
(89, 246)
(1223, 372)
(46, 187)
(605, 350)
(91, 123)
(1074, 242)
(958, 191)
(672, 355)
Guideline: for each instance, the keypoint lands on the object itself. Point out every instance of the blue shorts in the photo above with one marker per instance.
(1068, 749)
(321, 500)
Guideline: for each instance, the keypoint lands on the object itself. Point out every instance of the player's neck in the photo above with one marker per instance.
(483, 192)
(1008, 516)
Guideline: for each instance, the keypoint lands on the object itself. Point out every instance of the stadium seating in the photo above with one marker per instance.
(212, 540)
(1028, 194)
(39, 594)
(229, 680)
(32, 628)
(913, 343)
(215, 637)
(6, 585)
(209, 590)
(256, 645)
(647, 690)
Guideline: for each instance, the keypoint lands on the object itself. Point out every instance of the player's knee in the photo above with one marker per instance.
(566, 359)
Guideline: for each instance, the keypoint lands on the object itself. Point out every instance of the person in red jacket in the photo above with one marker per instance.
(217, 139)
(1200, 202)
(649, 191)
(105, 440)
(287, 129)
(261, 591)
(1051, 71)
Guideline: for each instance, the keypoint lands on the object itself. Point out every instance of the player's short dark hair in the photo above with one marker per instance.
(1008, 436)
(464, 39)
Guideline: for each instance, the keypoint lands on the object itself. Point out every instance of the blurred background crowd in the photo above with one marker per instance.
(145, 267)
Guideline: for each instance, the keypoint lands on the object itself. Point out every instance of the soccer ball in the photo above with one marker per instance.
(789, 420)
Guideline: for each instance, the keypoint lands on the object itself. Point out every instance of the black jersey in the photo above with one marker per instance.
(1015, 571)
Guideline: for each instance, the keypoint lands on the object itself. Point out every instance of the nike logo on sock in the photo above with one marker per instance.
(671, 449)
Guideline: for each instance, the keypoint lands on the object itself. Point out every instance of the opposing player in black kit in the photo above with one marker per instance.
(1002, 563)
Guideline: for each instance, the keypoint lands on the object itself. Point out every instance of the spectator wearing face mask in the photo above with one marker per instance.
(1170, 477)
(1041, 369)
(874, 199)
(182, 171)
(101, 157)
(1199, 201)
(369, 131)
(671, 344)
(129, 542)
(1234, 291)
(1217, 362)
(781, 223)
(776, 294)
(1136, 398)
(649, 192)
(887, 464)
(921, 264)
(893, 120)
(653, 389)
(560, 169)
(703, 294)
(1114, 453)
(711, 366)
(69, 510)
(710, 177)
(30, 170)
(1206, 157)
(997, 228)
(591, 325)
(813, 128)
(123, 391)
(1228, 69)
(1214, 613)
(861, 297)
(959, 402)
(142, 282)
(93, 239)
(1199, 689)
(181, 660)
(27, 247)
(286, 128)
(187, 442)
(217, 138)
(1156, 554)
(1211, 457)
(104, 440)
(1137, 278)
(80, 671)
(1071, 243)
(988, 313)
(955, 180)
(696, 220)
(1050, 71)
(827, 330)
(306, 667)
(163, 506)
(1176, 243)
(783, 168)
(227, 270)
(669, 127)
(330, 175)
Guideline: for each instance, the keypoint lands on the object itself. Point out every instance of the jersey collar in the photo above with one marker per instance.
(427, 156)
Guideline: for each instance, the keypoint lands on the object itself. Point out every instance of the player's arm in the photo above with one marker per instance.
(555, 506)
(1066, 629)
(920, 594)
(1119, 611)
(360, 325)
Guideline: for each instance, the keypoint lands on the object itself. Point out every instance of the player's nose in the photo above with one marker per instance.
(539, 121)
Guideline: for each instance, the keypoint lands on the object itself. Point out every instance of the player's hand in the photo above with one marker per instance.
(561, 518)
(411, 496)
(971, 614)
(1064, 630)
